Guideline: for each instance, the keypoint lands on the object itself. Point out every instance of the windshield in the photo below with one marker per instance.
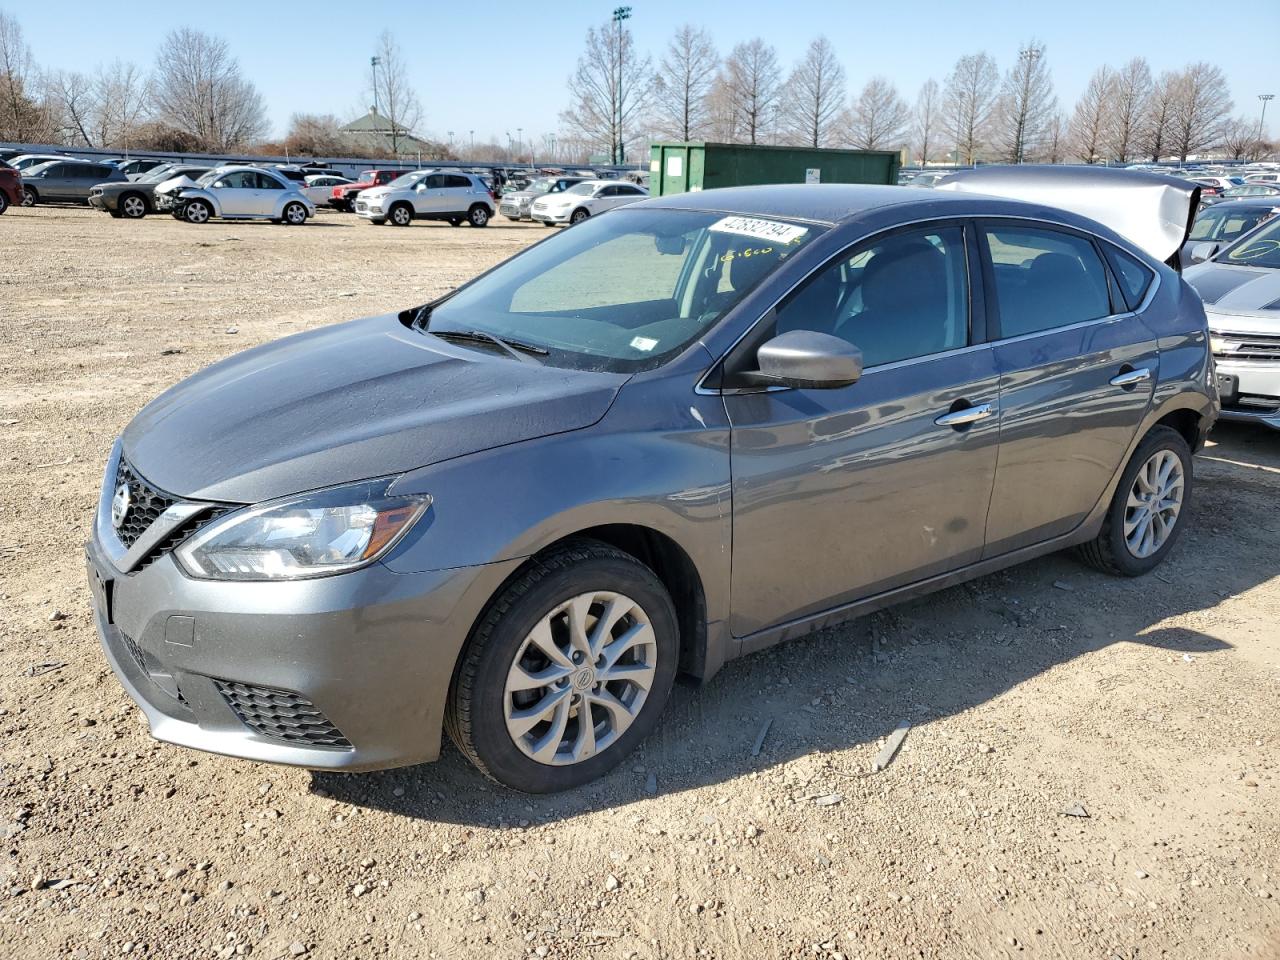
(540, 186)
(156, 174)
(1259, 249)
(209, 177)
(1224, 223)
(408, 180)
(627, 291)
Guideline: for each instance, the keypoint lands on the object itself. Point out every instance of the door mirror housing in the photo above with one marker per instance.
(807, 359)
(1203, 251)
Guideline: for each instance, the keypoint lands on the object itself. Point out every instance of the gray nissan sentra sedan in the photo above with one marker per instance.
(669, 436)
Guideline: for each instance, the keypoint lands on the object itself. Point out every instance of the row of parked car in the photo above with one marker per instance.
(288, 194)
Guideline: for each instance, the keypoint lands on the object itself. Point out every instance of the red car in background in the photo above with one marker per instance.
(10, 186)
(344, 197)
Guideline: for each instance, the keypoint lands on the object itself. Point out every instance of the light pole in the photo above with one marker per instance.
(619, 152)
(373, 65)
(519, 138)
(1028, 56)
(1265, 98)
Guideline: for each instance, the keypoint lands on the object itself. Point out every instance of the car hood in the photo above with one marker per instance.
(1151, 211)
(174, 185)
(1239, 291)
(523, 195)
(362, 399)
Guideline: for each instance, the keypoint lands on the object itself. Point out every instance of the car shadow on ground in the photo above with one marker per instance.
(851, 685)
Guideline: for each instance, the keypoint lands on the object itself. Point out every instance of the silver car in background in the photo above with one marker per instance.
(1240, 287)
(668, 437)
(243, 193)
(515, 205)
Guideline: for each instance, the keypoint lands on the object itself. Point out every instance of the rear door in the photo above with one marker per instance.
(1077, 372)
(840, 494)
(458, 195)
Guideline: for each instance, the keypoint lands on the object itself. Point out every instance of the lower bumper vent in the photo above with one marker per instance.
(281, 715)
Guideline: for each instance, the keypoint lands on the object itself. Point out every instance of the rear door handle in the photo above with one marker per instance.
(1130, 377)
(960, 418)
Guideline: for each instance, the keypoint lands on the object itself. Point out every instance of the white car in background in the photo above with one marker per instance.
(584, 200)
(319, 187)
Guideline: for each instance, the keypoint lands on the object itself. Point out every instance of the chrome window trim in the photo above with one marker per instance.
(701, 389)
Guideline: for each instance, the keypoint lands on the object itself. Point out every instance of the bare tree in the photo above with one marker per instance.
(21, 117)
(1201, 106)
(123, 95)
(814, 96)
(1241, 140)
(968, 103)
(1154, 137)
(722, 117)
(1054, 145)
(609, 92)
(1130, 102)
(879, 117)
(199, 90)
(1093, 110)
(1026, 104)
(927, 119)
(683, 83)
(754, 83)
(71, 99)
(393, 92)
(315, 135)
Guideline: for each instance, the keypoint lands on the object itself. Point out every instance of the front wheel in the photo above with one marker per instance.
(4, 202)
(478, 215)
(29, 197)
(400, 215)
(132, 206)
(568, 670)
(197, 211)
(1146, 513)
(578, 216)
(294, 214)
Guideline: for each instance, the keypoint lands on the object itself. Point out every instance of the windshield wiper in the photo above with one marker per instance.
(483, 336)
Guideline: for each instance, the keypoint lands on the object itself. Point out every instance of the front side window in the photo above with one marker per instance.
(627, 291)
(899, 297)
(1044, 279)
(240, 180)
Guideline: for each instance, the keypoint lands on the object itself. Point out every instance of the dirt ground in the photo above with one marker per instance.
(1149, 705)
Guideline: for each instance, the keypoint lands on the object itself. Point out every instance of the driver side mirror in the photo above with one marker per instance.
(1203, 251)
(809, 360)
(422, 186)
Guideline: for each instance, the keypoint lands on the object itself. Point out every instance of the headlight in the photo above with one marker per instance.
(1217, 344)
(312, 535)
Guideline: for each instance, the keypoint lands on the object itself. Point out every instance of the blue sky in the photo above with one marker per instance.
(495, 67)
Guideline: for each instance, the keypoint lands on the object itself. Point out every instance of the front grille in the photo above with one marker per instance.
(146, 503)
(281, 715)
(1253, 346)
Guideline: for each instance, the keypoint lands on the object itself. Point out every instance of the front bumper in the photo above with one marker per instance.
(370, 211)
(552, 216)
(349, 672)
(99, 202)
(513, 211)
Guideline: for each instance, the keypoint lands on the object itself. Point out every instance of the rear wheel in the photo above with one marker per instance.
(132, 206)
(4, 202)
(197, 211)
(1145, 517)
(578, 216)
(29, 197)
(455, 221)
(568, 670)
(478, 215)
(294, 214)
(400, 215)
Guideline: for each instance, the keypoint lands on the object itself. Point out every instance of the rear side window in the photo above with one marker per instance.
(268, 182)
(1044, 279)
(453, 180)
(1133, 275)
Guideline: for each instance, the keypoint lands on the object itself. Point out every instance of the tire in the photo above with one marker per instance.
(4, 202)
(132, 206)
(197, 211)
(1112, 551)
(29, 197)
(546, 223)
(513, 219)
(294, 214)
(478, 215)
(455, 221)
(578, 216)
(400, 215)
(480, 703)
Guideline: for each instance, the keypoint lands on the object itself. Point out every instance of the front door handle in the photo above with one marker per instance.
(1128, 378)
(965, 416)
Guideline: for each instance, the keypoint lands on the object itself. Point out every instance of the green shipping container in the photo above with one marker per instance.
(678, 167)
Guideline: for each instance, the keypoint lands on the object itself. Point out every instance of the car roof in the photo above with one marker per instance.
(1236, 203)
(828, 203)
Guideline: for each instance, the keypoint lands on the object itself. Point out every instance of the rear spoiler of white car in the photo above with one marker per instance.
(1152, 211)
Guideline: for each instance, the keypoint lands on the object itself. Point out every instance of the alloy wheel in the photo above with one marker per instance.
(295, 214)
(580, 678)
(197, 213)
(400, 217)
(133, 207)
(1155, 501)
(28, 197)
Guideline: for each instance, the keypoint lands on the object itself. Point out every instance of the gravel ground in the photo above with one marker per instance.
(1090, 772)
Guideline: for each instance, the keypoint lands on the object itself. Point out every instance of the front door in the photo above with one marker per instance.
(1077, 372)
(237, 193)
(431, 200)
(842, 494)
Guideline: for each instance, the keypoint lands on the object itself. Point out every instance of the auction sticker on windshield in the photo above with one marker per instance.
(760, 229)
